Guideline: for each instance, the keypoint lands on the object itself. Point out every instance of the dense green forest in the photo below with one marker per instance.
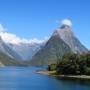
(72, 64)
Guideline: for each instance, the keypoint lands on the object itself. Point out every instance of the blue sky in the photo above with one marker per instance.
(38, 18)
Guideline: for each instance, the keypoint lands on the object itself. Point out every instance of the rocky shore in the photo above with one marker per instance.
(52, 73)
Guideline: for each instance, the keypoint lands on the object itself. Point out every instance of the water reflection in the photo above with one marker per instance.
(20, 78)
(75, 82)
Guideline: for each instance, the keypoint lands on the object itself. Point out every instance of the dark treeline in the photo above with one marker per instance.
(72, 64)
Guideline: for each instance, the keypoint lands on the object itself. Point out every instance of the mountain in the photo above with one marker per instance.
(7, 50)
(27, 50)
(62, 41)
(65, 32)
(54, 49)
(8, 57)
(5, 60)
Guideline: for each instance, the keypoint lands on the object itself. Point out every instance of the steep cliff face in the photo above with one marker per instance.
(65, 32)
(62, 41)
(54, 49)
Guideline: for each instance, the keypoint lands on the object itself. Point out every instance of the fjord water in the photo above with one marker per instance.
(21, 78)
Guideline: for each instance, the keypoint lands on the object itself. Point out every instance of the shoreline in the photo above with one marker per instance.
(52, 73)
(44, 72)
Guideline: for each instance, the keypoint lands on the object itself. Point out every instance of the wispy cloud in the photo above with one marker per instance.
(12, 38)
(66, 22)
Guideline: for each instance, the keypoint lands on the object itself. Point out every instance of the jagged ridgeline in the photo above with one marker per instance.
(62, 41)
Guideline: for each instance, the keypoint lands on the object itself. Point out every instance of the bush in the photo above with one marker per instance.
(87, 70)
(52, 67)
(72, 64)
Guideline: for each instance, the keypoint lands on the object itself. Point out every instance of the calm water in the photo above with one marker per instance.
(12, 78)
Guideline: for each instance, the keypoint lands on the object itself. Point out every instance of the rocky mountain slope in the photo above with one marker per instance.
(7, 50)
(62, 41)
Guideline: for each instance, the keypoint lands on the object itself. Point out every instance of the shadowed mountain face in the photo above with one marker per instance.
(62, 41)
(5, 60)
(7, 50)
(54, 49)
(8, 57)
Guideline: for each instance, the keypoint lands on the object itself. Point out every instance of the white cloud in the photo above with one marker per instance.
(12, 38)
(66, 22)
(35, 40)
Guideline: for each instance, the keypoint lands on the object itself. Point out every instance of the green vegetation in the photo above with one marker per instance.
(72, 64)
(52, 67)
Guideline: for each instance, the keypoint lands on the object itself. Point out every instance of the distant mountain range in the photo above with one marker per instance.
(16, 54)
(6, 49)
(8, 57)
(26, 50)
(63, 41)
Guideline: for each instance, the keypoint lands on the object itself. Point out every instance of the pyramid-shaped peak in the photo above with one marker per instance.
(64, 30)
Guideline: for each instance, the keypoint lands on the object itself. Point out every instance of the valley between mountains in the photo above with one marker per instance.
(62, 41)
